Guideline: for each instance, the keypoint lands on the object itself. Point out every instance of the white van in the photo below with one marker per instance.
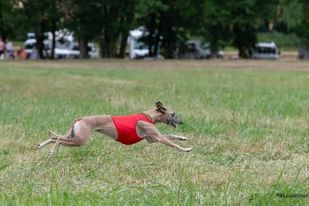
(265, 50)
(67, 49)
(137, 48)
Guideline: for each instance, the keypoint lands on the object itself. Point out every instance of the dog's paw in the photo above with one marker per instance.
(50, 154)
(188, 149)
(178, 137)
(182, 138)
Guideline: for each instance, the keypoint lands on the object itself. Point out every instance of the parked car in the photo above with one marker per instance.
(92, 51)
(303, 52)
(63, 49)
(74, 52)
(265, 50)
(196, 49)
(30, 43)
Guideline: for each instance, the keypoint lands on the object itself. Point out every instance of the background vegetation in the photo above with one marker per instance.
(169, 22)
(248, 128)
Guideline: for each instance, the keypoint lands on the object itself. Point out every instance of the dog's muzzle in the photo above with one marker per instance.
(173, 120)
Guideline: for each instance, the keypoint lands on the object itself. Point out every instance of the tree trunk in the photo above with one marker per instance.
(158, 36)
(53, 40)
(303, 52)
(239, 42)
(104, 33)
(123, 45)
(40, 39)
(151, 30)
(102, 46)
(168, 44)
(214, 40)
(40, 44)
(107, 44)
(83, 48)
(157, 45)
(1, 22)
(244, 39)
(109, 41)
(53, 30)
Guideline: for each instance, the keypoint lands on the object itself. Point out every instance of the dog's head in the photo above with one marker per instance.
(167, 116)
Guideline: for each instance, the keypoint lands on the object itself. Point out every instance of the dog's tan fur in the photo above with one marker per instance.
(80, 130)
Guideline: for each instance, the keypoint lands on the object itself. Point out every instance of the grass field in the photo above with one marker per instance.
(248, 122)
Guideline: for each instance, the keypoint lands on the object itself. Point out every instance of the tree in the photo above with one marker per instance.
(295, 14)
(54, 15)
(82, 17)
(214, 25)
(236, 21)
(302, 26)
(118, 18)
(9, 18)
(107, 21)
(169, 23)
(40, 16)
(150, 14)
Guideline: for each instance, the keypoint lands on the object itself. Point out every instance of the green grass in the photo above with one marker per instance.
(248, 127)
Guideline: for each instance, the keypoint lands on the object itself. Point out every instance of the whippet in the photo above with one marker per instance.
(128, 129)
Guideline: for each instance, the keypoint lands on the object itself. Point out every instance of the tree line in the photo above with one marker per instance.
(169, 22)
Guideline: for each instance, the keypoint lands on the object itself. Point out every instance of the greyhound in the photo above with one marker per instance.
(128, 129)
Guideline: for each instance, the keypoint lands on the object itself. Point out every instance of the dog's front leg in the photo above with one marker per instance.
(176, 137)
(163, 139)
(152, 134)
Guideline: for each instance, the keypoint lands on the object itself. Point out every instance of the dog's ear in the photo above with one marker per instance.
(160, 107)
(159, 104)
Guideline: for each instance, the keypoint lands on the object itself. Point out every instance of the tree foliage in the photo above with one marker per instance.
(236, 22)
(169, 22)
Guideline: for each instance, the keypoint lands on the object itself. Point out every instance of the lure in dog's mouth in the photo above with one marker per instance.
(174, 121)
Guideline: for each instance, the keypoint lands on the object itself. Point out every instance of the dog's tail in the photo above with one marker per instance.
(70, 133)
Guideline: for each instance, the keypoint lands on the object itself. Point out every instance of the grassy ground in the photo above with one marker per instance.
(246, 120)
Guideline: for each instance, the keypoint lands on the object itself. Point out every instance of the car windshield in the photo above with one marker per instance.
(75, 47)
(62, 44)
(267, 50)
(205, 46)
(29, 46)
(140, 45)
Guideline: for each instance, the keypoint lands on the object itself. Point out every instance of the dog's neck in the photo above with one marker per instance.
(153, 115)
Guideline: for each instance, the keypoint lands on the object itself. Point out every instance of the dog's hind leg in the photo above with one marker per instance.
(77, 136)
(58, 141)
(48, 141)
(63, 142)
(54, 148)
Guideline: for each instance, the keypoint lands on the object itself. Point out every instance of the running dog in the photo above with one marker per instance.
(127, 130)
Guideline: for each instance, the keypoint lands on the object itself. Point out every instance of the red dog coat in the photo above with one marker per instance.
(126, 127)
